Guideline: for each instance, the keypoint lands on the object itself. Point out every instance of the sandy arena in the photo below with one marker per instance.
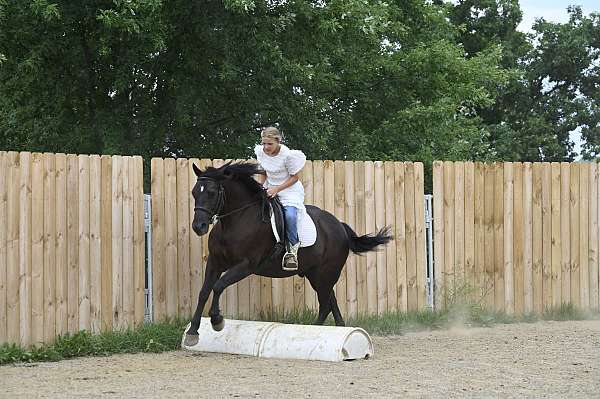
(540, 360)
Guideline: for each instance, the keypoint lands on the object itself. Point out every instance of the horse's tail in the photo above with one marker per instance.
(368, 242)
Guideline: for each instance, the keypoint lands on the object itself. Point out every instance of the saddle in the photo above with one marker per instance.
(278, 219)
(273, 207)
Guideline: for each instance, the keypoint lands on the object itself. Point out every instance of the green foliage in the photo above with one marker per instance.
(153, 338)
(343, 79)
(402, 80)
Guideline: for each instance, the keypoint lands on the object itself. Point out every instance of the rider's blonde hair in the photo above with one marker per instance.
(271, 132)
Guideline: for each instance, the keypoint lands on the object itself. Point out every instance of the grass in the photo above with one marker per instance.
(158, 337)
(166, 336)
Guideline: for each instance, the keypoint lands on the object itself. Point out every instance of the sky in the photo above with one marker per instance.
(552, 10)
(555, 11)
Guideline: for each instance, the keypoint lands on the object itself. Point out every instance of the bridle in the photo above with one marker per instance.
(216, 216)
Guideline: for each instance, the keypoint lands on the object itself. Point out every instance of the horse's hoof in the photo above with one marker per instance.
(191, 340)
(219, 326)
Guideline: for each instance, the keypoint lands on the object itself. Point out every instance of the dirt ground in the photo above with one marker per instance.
(541, 360)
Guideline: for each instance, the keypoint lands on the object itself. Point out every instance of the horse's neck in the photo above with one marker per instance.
(237, 197)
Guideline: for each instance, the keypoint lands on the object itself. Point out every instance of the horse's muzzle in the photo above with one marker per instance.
(200, 228)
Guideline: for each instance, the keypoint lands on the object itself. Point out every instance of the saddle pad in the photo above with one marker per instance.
(307, 231)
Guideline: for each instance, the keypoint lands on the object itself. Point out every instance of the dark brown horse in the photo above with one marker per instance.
(242, 241)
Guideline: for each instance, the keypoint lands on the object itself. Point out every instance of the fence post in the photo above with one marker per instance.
(148, 314)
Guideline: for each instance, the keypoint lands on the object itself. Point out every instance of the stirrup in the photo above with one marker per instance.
(290, 258)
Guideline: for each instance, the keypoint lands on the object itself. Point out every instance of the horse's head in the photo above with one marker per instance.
(213, 187)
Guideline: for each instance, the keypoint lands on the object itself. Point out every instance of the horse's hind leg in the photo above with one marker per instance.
(324, 307)
(335, 310)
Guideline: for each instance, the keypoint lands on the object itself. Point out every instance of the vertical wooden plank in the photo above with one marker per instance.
(25, 249)
(170, 223)
(4, 171)
(13, 207)
(499, 294)
(361, 261)
(369, 228)
(470, 226)
(449, 233)
(510, 186)
(73, 242)
(127, 254)
(459, 226)
(84, 241)
(183, 238)
(594, 237)
(3, 234)
(157, 187)
(528, 242)
(438, 231)
(537, 237)
(518, 241)
(62, 293)
(390, 251)
(117, 242)
(420, 236)
(50, 241)
(565, 232)
(106, 243)
(552, 276)
(479, 198)
(128, 287)
(584, 236)
(139, 264)
(574, 233)
(350, 209)
(411, 247)
(400, 236)
(380, 213)
(196, 263)
(340, 206)
(546, 234)
(95, 244)
(37, 248)
(489, 251)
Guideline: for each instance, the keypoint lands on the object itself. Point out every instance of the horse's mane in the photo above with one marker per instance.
(242, 171)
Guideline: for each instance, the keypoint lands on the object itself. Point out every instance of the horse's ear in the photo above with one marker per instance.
(197, 170)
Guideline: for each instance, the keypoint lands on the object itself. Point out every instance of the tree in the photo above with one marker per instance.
(343, 79)
(552, 91)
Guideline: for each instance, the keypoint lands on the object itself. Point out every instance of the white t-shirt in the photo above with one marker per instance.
(279, 167)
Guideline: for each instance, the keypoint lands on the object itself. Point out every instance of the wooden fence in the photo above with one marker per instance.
(71, 245)
(367, 195)
(523, 236)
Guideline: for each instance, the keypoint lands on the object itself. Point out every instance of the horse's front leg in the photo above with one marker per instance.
(230, 277)
(211, 276)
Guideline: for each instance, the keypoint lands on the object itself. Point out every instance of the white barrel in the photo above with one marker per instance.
(284, 341)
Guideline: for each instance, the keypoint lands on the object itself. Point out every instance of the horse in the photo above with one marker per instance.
(241, 241)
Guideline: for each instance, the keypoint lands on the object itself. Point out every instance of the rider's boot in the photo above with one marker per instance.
(290, 259)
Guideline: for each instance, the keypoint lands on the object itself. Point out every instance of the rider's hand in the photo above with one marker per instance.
(272, 192)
